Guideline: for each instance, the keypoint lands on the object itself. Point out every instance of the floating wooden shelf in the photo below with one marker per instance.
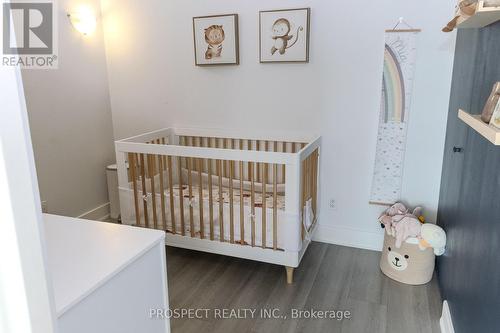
(490, 132)
(484, 16)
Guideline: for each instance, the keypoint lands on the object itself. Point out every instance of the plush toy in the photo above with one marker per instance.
(387, 219)
(397, 209)
(408, 226)
(433, 236)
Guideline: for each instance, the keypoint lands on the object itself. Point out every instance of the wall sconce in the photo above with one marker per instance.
(83, 20)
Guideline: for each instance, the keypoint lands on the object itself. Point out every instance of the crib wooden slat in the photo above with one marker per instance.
(181, 196)
(194, 165)
(249, 147)
(200, 184)
(302, 196)
(259, 179)
(132, 158)
(242, 207)
(144, 192)
(171, 190)
(306, 173)
(315, 182)
(190, 191)
(151, 167)
(311, 175)
(240, 147)
(283, 166)
(163, 156)
(264, 203)
(221, 202)
(275, 206)
(252, 201)
(210, 200)
(231, 203)
(226, 163)
(162, 192)
(204, 143)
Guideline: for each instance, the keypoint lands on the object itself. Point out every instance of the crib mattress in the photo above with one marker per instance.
(280, 198)
(288, 230)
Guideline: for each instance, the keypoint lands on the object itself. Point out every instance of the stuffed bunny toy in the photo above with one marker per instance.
(387, 218)
(408, 226)
(399, 223)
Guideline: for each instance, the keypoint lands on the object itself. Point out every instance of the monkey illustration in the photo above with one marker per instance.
(281, 29)
(214, 36)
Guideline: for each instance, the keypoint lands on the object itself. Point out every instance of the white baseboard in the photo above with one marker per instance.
(445, 322)
(341, 235)
(100, 213)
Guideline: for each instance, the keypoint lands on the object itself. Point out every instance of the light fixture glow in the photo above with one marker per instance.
(83, 20)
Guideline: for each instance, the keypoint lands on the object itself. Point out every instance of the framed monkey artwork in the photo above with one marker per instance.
(284, 35)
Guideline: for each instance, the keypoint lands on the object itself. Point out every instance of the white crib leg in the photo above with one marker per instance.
(289, 274)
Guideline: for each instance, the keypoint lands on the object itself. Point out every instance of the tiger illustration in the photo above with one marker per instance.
(214, 36)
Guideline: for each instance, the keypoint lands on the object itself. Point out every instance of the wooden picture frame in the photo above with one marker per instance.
(495, 118)
(216, 40)
(284, 35)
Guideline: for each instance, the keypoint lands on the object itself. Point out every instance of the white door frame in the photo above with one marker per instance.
(26, 297)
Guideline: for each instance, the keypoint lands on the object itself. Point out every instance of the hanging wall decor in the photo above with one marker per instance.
(216, 40)
(397, 84)
(284, 35)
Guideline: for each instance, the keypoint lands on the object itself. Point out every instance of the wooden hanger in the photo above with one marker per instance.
(408, 28)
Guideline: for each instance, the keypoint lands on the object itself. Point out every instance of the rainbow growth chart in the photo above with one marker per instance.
(397, 84)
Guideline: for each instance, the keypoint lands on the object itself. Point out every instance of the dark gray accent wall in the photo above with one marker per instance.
(469, 205)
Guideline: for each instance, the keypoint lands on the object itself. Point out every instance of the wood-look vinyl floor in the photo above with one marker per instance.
(330, 277)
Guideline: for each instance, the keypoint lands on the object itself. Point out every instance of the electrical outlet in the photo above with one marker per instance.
(44, 206)
(332, 204)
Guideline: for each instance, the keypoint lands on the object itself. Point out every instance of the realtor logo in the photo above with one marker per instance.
(28, 33)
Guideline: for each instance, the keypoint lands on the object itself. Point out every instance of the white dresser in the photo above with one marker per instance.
(106, 277)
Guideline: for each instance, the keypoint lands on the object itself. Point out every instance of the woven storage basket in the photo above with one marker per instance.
(408, 264)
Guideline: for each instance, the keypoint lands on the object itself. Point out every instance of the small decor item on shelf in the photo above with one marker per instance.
(491, 3)
(468, 7)
(465, 8)
(492, 102)
(495, 118)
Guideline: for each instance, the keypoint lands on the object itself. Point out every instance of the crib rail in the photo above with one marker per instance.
(171, 177)
(145, 169)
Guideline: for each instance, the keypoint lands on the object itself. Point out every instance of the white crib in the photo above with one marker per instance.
(221, 192)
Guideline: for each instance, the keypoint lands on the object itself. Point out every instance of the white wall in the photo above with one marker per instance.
(154, 83)
(70, 120)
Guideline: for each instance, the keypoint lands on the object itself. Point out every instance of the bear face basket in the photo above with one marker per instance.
(407, 264)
